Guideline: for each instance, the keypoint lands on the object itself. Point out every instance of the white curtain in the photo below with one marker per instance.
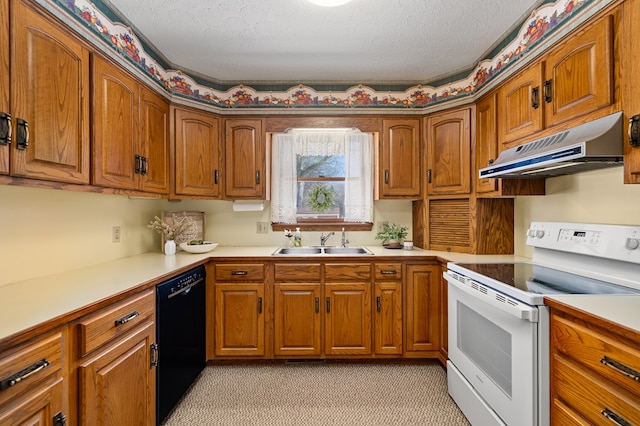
(358, 151)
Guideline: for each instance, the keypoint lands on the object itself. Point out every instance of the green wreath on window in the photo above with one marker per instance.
(321, 198)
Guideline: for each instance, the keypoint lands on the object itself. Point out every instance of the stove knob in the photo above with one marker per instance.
(531, 233)
(539, 233)
(632, 243)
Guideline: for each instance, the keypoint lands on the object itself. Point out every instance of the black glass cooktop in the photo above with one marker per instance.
(533, 278)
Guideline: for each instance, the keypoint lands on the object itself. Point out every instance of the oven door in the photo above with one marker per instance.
(493, 345)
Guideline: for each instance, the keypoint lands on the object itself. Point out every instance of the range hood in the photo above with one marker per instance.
(594, 145)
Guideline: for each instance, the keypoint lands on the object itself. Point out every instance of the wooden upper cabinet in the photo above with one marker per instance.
(196, 153)
(130, 132)
(520, 105)
(400, 159)
(49, 99)
(4, 87)
(579, 74)
(486, 141)
(115, 130)
(154, 141)
(487, 150)
(244, 153)
(448, 137)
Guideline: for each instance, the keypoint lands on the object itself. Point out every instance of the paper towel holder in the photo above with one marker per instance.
(248, 206)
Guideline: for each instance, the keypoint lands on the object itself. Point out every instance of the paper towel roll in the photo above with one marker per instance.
(248, 206)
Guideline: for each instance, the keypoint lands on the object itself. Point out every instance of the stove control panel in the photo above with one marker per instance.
(620, 242)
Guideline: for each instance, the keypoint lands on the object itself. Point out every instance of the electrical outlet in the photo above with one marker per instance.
(381, 225)
(262, 227)
(115, 234)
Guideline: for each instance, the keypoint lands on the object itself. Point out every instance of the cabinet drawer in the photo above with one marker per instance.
(28, 364)
(592, 397)
(388, 271)
(240, 272)
(298, 272)
(601, 352)
(98, 328)
(347, 272)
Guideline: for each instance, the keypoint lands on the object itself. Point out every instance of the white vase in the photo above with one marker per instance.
(170, 247)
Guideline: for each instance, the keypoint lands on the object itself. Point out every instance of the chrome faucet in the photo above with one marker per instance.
(344, 241)
(323, 238)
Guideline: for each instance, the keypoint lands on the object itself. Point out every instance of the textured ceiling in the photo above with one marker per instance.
(295, 41)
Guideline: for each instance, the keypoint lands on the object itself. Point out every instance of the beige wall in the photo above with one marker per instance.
(598, 196)
(45, 231)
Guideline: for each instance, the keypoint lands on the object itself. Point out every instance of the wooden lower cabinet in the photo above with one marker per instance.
(38, 394)
(388, 302)
(595, 370)
(297, 320)
(422, 310)
(117, 385)
(347, 319)
(239, 319)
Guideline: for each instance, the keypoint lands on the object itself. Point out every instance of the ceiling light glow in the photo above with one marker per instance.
(329, 3)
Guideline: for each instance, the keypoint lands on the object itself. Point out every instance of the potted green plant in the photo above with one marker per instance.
(392, 235)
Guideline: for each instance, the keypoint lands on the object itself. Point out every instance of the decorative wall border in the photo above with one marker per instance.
(541, 24)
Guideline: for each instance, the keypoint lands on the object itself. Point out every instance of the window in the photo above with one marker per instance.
(322, 177)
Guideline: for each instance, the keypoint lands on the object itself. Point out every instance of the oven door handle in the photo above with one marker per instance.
(506, 305)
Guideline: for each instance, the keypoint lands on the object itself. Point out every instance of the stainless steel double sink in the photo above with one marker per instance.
(319, 250)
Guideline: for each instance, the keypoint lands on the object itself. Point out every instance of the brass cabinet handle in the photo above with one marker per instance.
(535, 97)
(59, 419)
(215, 177)
(615, 418)
(154, 354)
(621, 368)
(328, 304)
(23, 374)
(259, 305)
(145, 166)
(5, 129)
(429, 176)
(23, 134)
(125, 319)
(317, 305)
(386, 177)
(138, 166)
(257, 177)
(548, 91)
(378, 303)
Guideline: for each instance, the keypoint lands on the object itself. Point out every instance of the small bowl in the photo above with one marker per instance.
(205, 247)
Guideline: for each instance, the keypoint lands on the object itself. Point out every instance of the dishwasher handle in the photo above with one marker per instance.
(186, 289)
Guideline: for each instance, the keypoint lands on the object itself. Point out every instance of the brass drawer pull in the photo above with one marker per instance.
(621, 368)
(23, 374)
(615, 417)
(239, 272)
(388, 271)
(125, 319)
(154, 354)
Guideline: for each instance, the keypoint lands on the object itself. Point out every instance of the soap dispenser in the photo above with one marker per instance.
(297, 238)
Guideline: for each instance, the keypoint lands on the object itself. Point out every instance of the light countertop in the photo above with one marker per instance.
(29, 303)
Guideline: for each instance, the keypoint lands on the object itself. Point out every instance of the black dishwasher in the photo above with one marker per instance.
(180, 333)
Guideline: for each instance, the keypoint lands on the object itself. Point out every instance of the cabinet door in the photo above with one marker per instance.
(49, 99)
(486, 141)
(449, 153)
(400, 165)
(5, 121)
(388, 318)
(520, 106)
(579, 74)
(117, 386)
(114, 125)
(297, 319)
(244, 159)
(239, 319)
(154, 142)
(348, 319)
(42, 405)
(197, 153)
(422, 308)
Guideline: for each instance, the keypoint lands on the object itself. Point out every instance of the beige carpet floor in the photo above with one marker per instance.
(319, 394)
